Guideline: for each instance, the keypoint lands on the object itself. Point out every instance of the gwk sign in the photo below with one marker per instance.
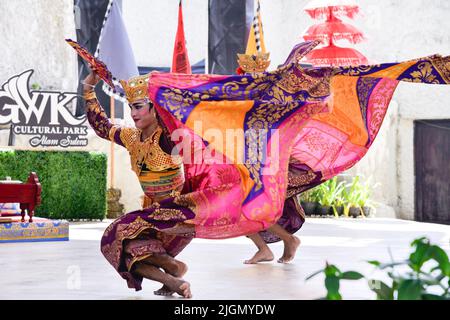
(43, 114)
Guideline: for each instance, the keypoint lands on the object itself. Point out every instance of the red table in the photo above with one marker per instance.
(28, 194)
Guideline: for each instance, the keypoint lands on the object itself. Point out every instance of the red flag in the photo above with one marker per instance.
(180, 62)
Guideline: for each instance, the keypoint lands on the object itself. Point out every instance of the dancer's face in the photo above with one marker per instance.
(143, 114)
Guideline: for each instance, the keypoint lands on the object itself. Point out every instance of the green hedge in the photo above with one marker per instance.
(73, 183)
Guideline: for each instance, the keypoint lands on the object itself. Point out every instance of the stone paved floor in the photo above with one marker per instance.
(49, 270)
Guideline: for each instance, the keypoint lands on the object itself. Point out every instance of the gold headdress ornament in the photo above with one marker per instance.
(136, 88)
(252, 63)
(256, 59)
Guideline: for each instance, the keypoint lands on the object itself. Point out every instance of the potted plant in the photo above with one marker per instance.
(338, 206)
(353, 196)
(327, 193)
(307, 202)
(325, 199)
(335, 195)
(344, 201)
(366, 204)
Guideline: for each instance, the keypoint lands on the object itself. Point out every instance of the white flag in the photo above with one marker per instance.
(114, 49)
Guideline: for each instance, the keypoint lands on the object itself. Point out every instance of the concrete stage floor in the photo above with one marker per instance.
(77, 270)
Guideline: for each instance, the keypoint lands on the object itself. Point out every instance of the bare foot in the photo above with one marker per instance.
(261, 256)
(290, 248)
(183, 288)
(175, 268)
(164, 291)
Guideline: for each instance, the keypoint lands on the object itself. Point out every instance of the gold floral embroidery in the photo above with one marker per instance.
(261, 123)
(97, 118)
(167, 214)
(142, 252)
(380, 98)
(276, 94)
(315, 86)
(181, 229)
(366, 70)
(185, 200)
(356, 71)
(424, 74)
(179, 101)
(94, 106)
(299, 208)
(442, 66)
(302, 179)
(364, 89)
(113, 251)
(222, 221)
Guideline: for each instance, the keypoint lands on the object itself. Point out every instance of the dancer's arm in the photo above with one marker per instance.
(96, 115)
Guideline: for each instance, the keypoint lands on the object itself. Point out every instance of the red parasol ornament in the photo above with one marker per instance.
(320, 9)
(332, 55)
(332, 30)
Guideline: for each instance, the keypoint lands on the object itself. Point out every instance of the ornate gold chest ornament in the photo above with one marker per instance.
(150, 153)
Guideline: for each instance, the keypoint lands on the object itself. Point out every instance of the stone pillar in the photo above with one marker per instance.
(114, 207)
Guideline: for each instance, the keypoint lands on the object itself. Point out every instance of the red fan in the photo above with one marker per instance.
(95, 64)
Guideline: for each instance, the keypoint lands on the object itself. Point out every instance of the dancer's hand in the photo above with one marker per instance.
(90, 81)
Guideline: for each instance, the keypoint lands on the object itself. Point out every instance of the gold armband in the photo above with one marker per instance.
(90, 95)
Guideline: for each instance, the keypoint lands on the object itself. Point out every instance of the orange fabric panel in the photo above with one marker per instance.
(221, 123)
(392, 72)
(345, 114)
(218, 117)
(247, 182)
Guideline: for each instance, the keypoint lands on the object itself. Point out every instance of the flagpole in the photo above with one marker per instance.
(112, 108)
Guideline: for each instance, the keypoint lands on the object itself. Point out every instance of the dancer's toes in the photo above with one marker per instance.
(290, 248)
(183, 288)
(260, 256)
(164, 291)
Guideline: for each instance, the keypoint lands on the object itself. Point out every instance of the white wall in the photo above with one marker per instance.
(152, 25)
(403, 30)
(32, 34)
(395, 30)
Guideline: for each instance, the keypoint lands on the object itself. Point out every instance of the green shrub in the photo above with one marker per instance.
(73, 183)
(427, 276)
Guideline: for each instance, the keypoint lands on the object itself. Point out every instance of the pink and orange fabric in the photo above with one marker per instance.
(249, 142)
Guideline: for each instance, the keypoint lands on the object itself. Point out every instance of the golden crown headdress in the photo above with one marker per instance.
(252, 63)
(136, 88)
